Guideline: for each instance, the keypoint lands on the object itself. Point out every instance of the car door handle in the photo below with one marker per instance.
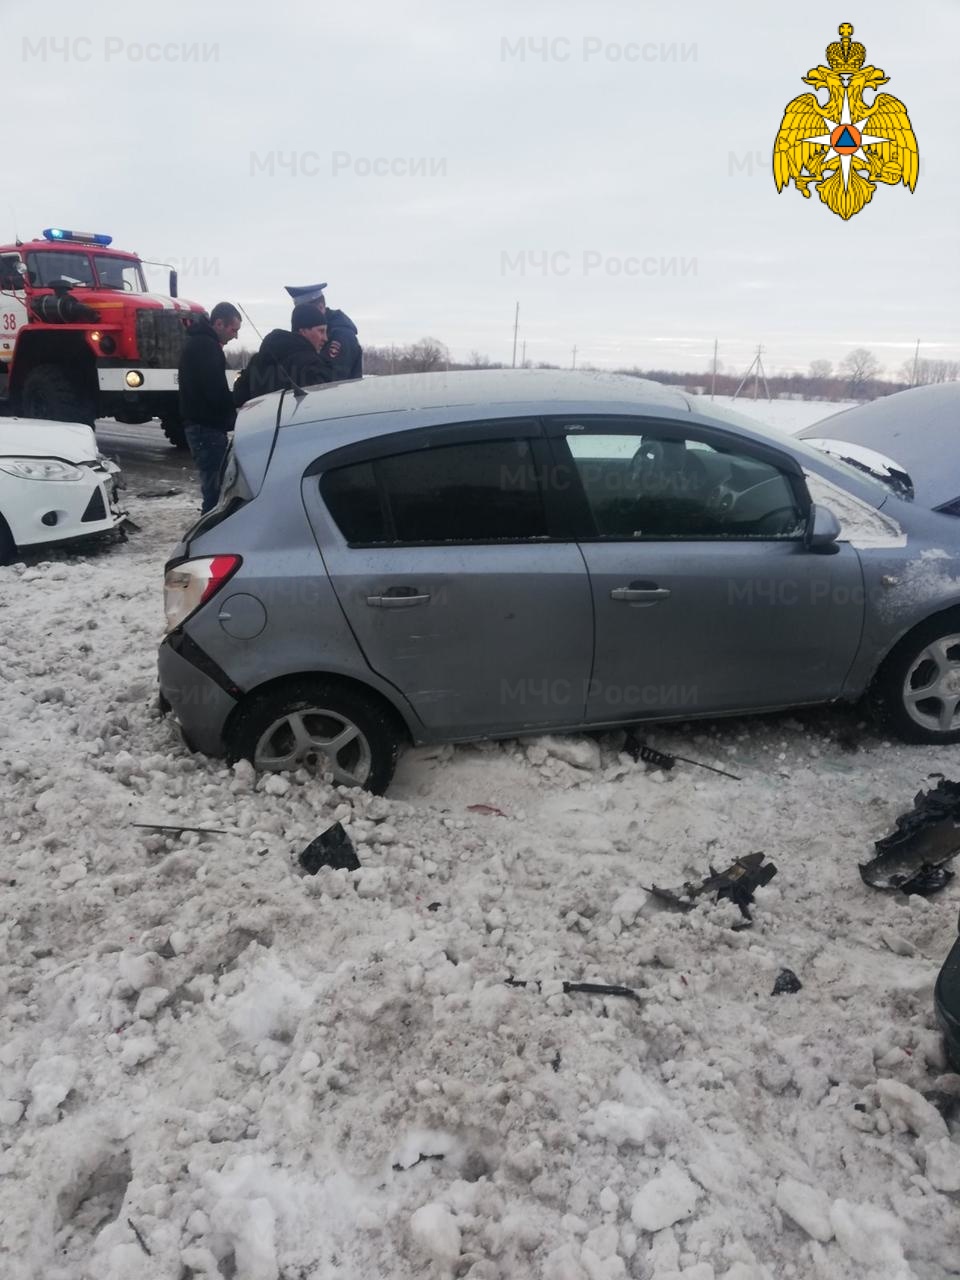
(398, 600)
(640, 595)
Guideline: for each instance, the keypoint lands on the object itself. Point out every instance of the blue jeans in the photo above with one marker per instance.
(208, 446)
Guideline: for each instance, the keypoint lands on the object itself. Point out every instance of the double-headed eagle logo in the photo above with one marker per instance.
(845, 146)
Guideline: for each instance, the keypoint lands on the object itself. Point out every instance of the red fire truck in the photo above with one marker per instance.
(81, 337)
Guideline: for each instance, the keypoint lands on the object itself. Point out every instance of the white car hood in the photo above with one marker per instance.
(40, 438)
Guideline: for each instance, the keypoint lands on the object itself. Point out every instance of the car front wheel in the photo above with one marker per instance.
(322, 726)
(918, 686)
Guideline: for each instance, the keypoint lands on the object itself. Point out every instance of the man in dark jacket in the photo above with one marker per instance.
(344, 349)
(206, 405)
(296, 359)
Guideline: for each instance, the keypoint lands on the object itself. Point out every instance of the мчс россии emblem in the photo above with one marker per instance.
(845, 146)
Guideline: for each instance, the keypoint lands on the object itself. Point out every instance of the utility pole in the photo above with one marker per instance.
(713, 382)
(756, 368)
(516, 322)
(916, 366)
(573, 364)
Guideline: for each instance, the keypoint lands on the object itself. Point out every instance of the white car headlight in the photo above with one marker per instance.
(40, 469)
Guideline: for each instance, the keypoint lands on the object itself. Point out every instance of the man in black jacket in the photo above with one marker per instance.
(289, 359)
(344, 348)
(206, 404)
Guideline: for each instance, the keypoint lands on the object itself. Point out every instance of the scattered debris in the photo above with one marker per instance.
(637, 748)
(332, 848)
(160, 493)
(486, 808)
(434, 906)
(911, 858)
(787, 983)
(738, 883)
(162, 826)
(140, 1239)
(555, 1061)
(587, 988)
(421, 1159)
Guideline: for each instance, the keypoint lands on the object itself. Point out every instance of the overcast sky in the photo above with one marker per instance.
(606, 164)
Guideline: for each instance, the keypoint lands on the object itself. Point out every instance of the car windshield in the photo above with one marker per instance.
(75, 269)
(119, 273)
(802, 447)
(83, 270)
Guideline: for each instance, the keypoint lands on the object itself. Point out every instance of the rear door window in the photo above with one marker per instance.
(482, 491)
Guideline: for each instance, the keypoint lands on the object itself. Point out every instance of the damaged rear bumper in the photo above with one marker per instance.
(200, 695)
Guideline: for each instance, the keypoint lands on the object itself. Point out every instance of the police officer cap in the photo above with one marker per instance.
(306, 292)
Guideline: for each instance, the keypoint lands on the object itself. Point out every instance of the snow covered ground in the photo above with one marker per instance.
(787, 415)
(213, 1066)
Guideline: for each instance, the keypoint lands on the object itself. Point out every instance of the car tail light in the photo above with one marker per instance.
(188, 585)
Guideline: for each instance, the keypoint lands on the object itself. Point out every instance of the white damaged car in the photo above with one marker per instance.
(55, 485)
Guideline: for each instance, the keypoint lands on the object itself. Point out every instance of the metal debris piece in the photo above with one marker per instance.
(486, 808)
(140, 1240)
(911, 858)
(168, 826)
(737, 883)
(787, 983)
(332, 848)
(636, 747)
(587, 988)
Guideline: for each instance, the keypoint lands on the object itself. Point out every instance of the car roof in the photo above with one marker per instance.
(919, 429)
(483, 390)
(342, 413)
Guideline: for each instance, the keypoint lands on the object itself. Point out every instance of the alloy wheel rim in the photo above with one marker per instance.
(319, 740)
(931, 690)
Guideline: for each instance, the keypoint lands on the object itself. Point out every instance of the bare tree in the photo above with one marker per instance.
(819, 379)
(426, 355)
(924, 372)
(859, 367)
(478, 361)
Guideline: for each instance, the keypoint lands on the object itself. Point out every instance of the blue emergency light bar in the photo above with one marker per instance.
(77, 237)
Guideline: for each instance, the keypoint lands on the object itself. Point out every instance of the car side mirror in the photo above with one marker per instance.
(823, 530)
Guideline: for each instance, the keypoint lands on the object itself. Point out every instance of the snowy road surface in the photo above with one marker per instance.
(211, 1066)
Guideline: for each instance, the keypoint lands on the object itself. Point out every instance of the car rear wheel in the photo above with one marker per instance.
(918, 686)
(322, 726)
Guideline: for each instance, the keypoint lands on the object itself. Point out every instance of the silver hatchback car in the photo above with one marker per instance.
(448, 557)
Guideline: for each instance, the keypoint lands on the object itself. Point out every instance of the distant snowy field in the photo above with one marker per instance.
(211, 1066)
(787, 415)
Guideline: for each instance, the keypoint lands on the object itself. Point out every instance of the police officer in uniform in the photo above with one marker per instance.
(344, 347)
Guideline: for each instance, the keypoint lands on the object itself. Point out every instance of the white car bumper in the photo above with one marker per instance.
(40, 512)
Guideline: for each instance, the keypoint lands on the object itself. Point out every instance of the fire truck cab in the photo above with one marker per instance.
(81, 337)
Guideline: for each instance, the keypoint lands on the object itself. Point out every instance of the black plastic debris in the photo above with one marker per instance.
(587, 988)
(787, 983)
(332, 848)
(911, 859)
(737, 883)
(422, 1158)
(434, 906)
(638, 749)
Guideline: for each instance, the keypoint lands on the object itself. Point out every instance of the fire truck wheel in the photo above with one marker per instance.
(50, 392)
(173, 430)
